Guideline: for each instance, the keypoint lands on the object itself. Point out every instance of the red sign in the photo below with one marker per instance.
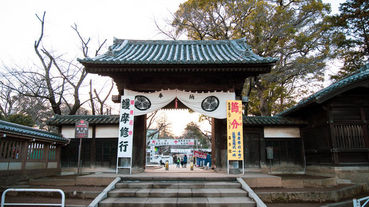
(81, 129)
(199, 154)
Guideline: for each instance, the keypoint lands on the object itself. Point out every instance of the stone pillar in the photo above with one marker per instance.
(220, 132)
(139, 144)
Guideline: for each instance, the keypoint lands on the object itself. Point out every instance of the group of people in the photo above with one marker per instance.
(180, 161)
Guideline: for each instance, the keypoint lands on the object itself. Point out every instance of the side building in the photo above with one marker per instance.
(336, 137)
(27, 153)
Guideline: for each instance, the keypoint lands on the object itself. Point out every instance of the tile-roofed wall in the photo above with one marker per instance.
(271, 121)
(179, 52)
(58, 120)
(114, 119)
(7, 127)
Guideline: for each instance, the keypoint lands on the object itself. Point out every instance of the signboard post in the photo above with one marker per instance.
(81, 131)
(125, 138)
(234, 133)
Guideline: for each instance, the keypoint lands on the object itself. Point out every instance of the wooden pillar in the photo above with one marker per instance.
(213, 145)
(139, 144)
(220, 132)
(332, 138)
(46, 159)
(57, 156)
(24, 154)
(364, 127)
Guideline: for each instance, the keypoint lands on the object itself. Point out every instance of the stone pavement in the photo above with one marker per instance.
(265, 185)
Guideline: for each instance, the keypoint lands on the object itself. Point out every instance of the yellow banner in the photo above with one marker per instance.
(234, 130)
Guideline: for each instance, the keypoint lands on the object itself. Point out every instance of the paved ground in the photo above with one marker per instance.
(161, 172)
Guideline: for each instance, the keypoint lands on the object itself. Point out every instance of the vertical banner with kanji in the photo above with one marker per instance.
(234, 130)
(125, 140)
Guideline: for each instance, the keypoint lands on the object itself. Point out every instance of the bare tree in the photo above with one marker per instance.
(101, 101)
(150, 119)
(7, 101)
(56, 80)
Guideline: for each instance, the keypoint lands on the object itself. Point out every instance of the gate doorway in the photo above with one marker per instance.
(179, 138)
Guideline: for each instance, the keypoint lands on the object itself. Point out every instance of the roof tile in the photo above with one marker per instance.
(179, 52)
(8, 127)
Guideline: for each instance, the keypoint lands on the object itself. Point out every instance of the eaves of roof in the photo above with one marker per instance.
(59, 120)
(271, 121)
(17, 129)
(334, 89)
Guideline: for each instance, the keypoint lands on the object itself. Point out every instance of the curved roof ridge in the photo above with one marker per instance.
(324, 93)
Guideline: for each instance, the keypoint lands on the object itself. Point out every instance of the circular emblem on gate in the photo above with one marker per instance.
(142, 103)
(210, 103)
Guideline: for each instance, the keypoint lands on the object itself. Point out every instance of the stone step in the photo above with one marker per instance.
(178, 202)
(181, 179)
(177, 185)
(201, 192)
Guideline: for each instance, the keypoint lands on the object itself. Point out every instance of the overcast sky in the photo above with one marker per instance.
(125, 19)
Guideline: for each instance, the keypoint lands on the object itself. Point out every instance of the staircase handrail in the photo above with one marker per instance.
(104, 193)
(3, 203)
(252, 194)
(356, 202)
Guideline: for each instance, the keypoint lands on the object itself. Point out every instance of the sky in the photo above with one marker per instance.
(99, 20)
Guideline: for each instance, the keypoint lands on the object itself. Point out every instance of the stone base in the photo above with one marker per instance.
(354, 174)
(263, 181)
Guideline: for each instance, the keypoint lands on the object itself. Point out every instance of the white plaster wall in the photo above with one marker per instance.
(68, 132)
(52, 165)
(10, 165)
(35, 165)
(281, 132)
(110, 131)
(104, 131)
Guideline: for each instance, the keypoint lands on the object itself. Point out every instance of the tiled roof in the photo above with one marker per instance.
(326, 93)
(179, 52)
(58, 120)
(114, 119)
(271, 121)
(11, 128)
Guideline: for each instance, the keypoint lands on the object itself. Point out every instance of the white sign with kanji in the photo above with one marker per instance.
(125, 139)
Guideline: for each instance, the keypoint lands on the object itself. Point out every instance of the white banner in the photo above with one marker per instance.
(166, 142)
(212, 104)
(183, 151)
(126, 120)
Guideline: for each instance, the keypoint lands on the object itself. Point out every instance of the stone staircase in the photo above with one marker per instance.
(183, 192)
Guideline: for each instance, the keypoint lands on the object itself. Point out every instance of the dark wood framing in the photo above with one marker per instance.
(337, 133)
(22, 158)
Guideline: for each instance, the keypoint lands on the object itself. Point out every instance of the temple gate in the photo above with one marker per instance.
(203, 66)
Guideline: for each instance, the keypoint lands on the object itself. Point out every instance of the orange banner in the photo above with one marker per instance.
(234, 130)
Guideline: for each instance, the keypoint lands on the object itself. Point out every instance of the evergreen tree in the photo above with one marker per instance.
(295, 32)
(351, 28)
